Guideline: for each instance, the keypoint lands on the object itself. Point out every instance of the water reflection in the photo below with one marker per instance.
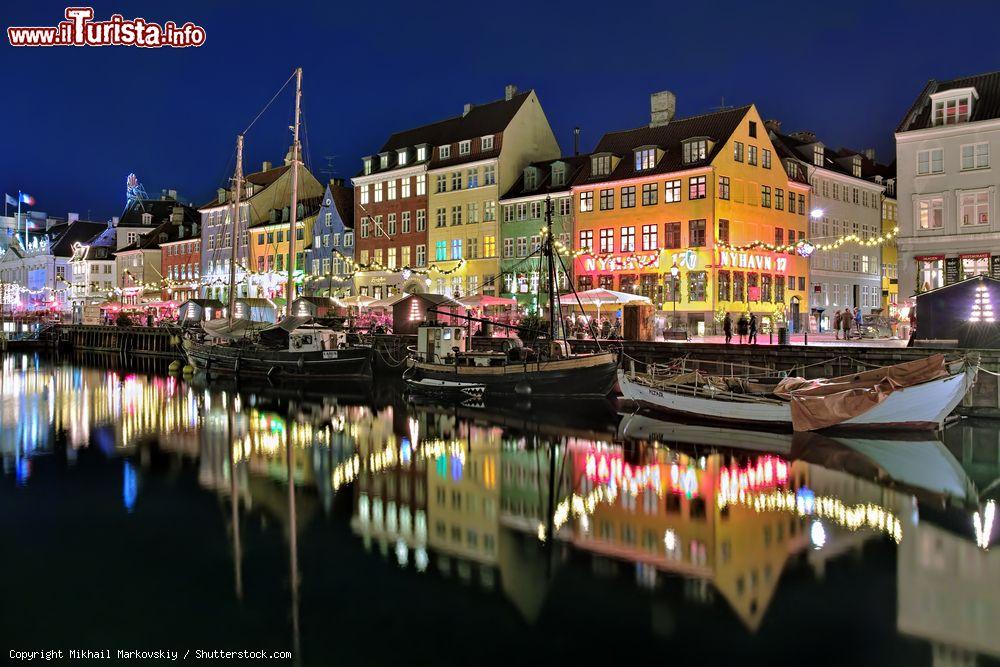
(518, 503)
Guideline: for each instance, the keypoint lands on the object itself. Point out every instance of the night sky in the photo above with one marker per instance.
(76, 121)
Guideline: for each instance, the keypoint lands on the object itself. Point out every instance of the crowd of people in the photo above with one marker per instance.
(583, 326)
(746, 327)
(846, 321)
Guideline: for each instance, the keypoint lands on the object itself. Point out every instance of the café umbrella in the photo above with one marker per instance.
(599, 296)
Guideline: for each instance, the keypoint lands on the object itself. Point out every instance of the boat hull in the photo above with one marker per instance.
(922, 406)
(589, 375)
(232, 361)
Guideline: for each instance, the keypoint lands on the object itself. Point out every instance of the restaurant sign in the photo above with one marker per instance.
(752, 261)
(633, 262)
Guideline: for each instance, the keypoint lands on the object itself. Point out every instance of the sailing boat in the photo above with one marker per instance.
(444, 364)
(295, 347)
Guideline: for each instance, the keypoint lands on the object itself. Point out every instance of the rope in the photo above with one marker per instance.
(261, 112)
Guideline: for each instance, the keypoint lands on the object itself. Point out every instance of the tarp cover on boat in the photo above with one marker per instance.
(276, 335)
(221, 328)
(827, 402)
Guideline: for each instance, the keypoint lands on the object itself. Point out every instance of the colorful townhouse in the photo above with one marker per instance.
(698, 215)
(180, 260)
(139, 264)
(476, 158)
(269, 249)
(330, 259)
(523, 274)
(263, 192)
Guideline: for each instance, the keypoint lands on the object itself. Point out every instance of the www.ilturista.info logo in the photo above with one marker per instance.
(80, 29)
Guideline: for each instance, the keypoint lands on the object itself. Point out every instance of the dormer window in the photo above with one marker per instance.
(444, 152)
(559, 174)
(401, 157)
(695, 150)
(421, 153)
(368, 165)
(600, 165)
(530, 178)
(249, 191)
(792, 168)
(464, 147)
(856, 166)
(383, 161)
(147, 218)
(818, 155)
(953, 106)
(890, 187)
(486, 143)
(645, 158)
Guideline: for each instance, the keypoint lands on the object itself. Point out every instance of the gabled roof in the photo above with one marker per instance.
(870, 168)
(717, 126)
(261, 179)
(481, 120)
(151, 240)
(987, 107)
(310, 207)
(574, 165)
(800, 146)
(78, 231)
(343, 200)
(159, 209)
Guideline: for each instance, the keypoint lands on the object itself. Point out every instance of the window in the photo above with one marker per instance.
(586, 202)
(738, 151)
(489, 211)
(364, 194)
(723, 187)
(931, 273)
(391, 225)
(648, 194)
(974, 208)
(536, 210)
(975, 156)
(472, 248)
(975, 266)
(779, 199)
(955, 110)
(530, 178)
(696, 187)
(695, 150)
(696, 233)
(739, 283)
(391, 192)
(522, 211)
(558, 174)
(404, 187)
(696, 285)
(489, 244)
(607, 199)
(421, 255)
(472, 210)
(456, 180)
(421, 153)
(472, 178)
(724, 285)
(779, 236)
(464, 147)
(565, 206)
(765, 196)
(536, 243)
(421, 220)
(765, 160)
(391, 260)
(406, 222)
(421, 184)
(522, 246)
(752, 155)
(649, 237)
(930, 161)
(628, 239)
(508, 248)
(818, 155)
(672, 191)
(672, 235)
(444, 152)
(607, 240)
(365, 227)
(442, 217)
(723, 234)
(600, 165)
(490, 174)
(587, 240)
(456, 216)
(645, 158)
(441, 251)
(930, 213)
(486, 143)
(802, 203)
(441, 183)
(628, 196)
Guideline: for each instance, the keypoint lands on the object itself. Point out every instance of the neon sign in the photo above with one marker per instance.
(748, 260)
(635, 262)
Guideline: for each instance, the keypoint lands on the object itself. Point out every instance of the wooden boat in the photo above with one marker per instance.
(924, 405)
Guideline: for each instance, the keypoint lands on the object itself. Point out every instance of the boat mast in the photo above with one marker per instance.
(290, 292)
(549, 257)
(235, 226)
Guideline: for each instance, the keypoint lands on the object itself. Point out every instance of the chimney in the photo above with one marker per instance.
(172, 194)
(266, 166)
(467, 108)
(870, 154)
(509, 91)
(177, 215)
(72, 217)
(194, 229)
(662, 106)
(805, 136)
(576, 140)
(221, 194)
(114, 221)
(773, 125)
(337, 182)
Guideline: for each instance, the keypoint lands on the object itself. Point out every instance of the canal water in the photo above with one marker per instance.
(143, 512)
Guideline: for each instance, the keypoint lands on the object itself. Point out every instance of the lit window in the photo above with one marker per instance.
(955, 110)
(601, 165)
(695, 150)
(401, 157)
(818, 155)
(975, 208)
(421, 153)
(931, 213)
(645, 158)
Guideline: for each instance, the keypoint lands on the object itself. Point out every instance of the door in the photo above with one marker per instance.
(793, 315)
(857, 297)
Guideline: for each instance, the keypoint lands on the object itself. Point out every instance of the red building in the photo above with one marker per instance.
(180, 264)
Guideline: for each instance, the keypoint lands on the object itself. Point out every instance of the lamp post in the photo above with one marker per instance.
(673, 293)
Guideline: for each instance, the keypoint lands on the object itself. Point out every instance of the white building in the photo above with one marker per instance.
(947, 187)
(844, 203)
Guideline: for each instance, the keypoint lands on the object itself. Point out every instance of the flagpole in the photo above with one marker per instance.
(24, 243)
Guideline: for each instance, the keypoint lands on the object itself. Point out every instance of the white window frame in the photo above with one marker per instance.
(918, 212)
(465, 147)
(486, 143)
(929, 152)
(444, 152)
(980, 159)
(976, 205)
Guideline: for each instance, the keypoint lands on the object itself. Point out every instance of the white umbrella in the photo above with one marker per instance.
(359, 300)
(599, 295)
(486, 300)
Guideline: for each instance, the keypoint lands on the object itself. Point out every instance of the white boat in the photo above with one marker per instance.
(924, 405)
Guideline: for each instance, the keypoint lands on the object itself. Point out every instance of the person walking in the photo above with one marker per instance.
(727, 328)
(858, 319)
(836, 324)
(742, 327)
(845, 323)
(752, 340)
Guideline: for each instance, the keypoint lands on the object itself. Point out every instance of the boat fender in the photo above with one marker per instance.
(300, 363)
(174, 367)
(522, 389)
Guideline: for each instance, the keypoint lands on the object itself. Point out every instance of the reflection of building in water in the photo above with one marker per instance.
(663, 513)
(949, 594)
(527, 483)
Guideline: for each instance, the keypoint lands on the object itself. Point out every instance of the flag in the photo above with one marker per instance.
(27, 199)
(10, 200)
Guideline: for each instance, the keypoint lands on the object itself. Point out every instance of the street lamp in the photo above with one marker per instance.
(816, 213)
(673, 292)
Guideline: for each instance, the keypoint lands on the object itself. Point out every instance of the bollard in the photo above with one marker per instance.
(805, 338)
(770, 337)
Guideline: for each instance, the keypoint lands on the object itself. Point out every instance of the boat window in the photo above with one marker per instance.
(447, 334)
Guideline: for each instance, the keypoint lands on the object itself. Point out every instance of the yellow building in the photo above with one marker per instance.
(269, 241)
(476, 159)
(890, 256)
(706, 195)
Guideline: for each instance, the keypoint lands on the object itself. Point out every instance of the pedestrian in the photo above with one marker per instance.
(846, 321)
(857, 319)
(752, 340)
(727, 328)
(836, 324)
(742, 327)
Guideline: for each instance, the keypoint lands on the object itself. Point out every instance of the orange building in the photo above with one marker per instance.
(704, 194)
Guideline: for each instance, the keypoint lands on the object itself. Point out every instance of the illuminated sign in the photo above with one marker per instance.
(753, 261)
(634, 262)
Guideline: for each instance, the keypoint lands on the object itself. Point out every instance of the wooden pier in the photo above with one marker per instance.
(158, 341)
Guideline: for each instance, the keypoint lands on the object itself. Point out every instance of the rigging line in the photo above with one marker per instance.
(576, 295)
(261, 112)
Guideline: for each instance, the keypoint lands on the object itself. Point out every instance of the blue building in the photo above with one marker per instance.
(330, 260)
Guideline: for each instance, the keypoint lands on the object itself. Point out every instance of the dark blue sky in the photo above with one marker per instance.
(76, 121)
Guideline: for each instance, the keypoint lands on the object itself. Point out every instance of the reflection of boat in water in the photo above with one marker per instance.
(912, 395)
(643, 427)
